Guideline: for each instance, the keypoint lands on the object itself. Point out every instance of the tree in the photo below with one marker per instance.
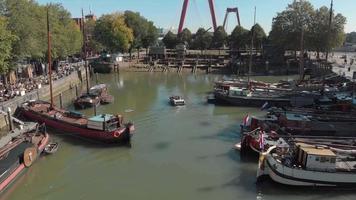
(6, 40)
(185, 37)
(67, 38)
(322, 39)
(151, 37)
(219, 38)
(170, 40)
(288, 25)
(26, 21)
(113, 33)
(93, 46)
(238, 38)
(259, 36)
(351, 37)
(145, 33)
(202, 39)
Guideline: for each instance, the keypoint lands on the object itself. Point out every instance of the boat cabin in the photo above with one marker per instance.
(238, 92)
(316, 158)
(105, 122)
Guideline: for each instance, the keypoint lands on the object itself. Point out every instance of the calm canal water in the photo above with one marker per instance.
(176, 153)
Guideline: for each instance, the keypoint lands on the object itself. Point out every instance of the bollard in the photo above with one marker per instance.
(60, 100)
(11, 125)
(76, 91)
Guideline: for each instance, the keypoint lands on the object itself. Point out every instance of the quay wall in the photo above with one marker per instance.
(59, 86)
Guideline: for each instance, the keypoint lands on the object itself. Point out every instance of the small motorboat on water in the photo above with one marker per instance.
(176, 101)
(97, 94)
(51, 148)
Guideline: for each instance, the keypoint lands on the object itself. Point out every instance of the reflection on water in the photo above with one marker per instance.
(176, 153)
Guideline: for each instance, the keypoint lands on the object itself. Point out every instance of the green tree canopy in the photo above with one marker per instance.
(239, 38)
(151, 37)
(145, 33)
(92, 44)
(202, 39)
(170, 40)
(185, 37)
(288, 25)
(298, 16)
(67, 38)
(113, 33)
(321, 39)
(27, 20)
(219, 38)
(6, 40)
(259, 36)
(351, 37)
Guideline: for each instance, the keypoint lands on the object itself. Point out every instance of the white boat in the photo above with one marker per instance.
(176, 101)
(308, 165)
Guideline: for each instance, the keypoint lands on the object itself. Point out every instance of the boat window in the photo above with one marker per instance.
(317, 159)
(322, 159)
(332, 160)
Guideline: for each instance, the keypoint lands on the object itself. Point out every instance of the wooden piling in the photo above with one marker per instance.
(94, 110)
(9, 117)
(60, 100)
(76, 91)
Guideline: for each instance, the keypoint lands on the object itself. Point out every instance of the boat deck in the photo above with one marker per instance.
(14, 156)
(58, 114)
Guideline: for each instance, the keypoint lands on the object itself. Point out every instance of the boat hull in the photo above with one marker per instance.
(19, 167)
(122, 135)
(300, 177)
(251, 101)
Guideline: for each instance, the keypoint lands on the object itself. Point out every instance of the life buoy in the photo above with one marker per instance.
(29, 156)
(116, 134)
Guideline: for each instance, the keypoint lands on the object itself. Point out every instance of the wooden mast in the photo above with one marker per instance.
(85, 51)
(329, 31)
(49, 59)
(251, 48)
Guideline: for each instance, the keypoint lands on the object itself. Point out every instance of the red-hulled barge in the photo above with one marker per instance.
(102, 128)
(19, 150)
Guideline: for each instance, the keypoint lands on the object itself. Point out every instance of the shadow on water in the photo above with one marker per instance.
(88, 143)
(162, 145)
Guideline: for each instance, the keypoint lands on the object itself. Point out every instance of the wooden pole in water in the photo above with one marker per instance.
(95, 110)
(11, 125)
(49, 59)
(76, 91)
(60, 100)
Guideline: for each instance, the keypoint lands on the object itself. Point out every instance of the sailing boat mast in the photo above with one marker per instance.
(85, 51)
(251, 48)
(329, 31)
(49, 59)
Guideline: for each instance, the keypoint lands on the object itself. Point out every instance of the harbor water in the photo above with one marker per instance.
(176, 153)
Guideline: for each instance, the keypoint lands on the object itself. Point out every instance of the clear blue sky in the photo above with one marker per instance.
(166, 13)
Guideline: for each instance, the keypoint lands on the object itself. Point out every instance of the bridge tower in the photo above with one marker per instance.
(232, 10)
(184, 12)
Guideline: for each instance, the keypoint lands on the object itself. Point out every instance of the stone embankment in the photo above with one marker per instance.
(59, 86)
